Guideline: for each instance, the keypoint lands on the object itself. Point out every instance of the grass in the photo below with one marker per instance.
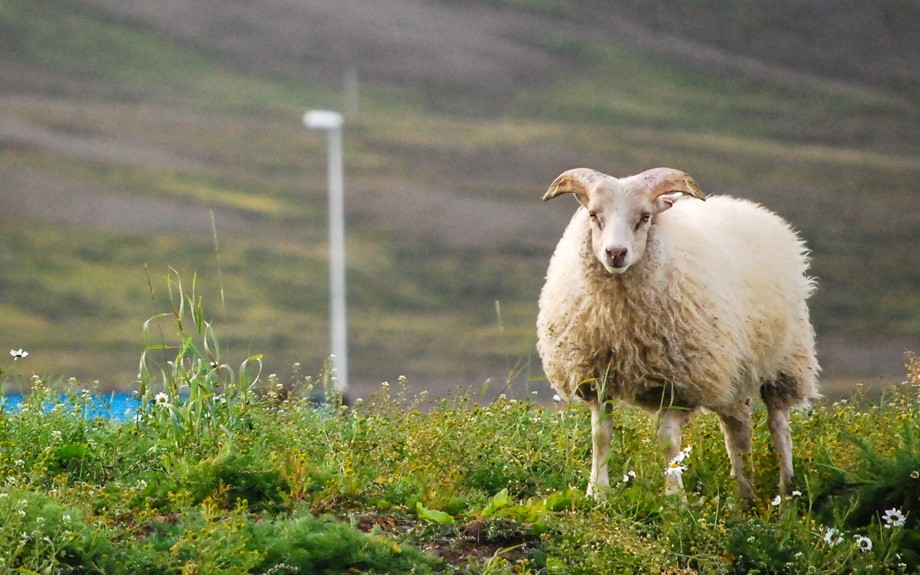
(224, 469)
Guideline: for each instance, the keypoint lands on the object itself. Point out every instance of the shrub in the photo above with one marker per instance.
(306, 545)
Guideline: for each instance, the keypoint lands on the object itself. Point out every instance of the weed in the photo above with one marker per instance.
(217, 474)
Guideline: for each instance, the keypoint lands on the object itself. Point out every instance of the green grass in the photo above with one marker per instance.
(222, 470)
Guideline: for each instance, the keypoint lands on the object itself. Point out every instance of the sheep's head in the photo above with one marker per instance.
(623, 209)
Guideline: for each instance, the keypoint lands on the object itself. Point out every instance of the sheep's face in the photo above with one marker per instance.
(620, 217)
(622, 210)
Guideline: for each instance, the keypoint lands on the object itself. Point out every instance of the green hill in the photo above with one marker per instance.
(128, 127)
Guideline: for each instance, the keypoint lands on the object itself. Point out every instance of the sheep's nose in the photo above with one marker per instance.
(617, 256)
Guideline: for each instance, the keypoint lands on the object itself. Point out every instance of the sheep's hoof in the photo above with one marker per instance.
(788, 487)
(598, 492)
(677, 493)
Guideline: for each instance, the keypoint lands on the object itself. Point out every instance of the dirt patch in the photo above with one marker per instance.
(460, 221)
(478, 51)
(476, 541)
(31, 195)
(18, 132)
(873, 361)
(27, 193)
(457, 46)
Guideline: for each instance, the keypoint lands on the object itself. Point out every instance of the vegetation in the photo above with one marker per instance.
(222, 470)
(127, 147)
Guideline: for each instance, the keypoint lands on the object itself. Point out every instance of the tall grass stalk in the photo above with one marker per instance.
(196, 392)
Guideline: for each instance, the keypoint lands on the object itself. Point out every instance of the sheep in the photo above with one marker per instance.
(673, 304)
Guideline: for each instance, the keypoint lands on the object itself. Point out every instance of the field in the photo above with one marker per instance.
(163, 231)
(135, 140)
(219, 471)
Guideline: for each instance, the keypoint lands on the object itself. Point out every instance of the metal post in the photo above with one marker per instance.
(331, 122)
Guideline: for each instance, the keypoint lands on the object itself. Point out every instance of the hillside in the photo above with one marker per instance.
(126, 126)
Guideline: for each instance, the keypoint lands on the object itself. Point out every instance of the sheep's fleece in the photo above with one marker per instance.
(710, 312)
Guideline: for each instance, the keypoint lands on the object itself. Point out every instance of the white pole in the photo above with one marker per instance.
(331, 122)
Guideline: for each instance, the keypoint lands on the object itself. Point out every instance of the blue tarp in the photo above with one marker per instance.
(113, 406)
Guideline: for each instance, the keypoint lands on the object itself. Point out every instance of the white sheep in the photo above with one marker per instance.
(674, 306)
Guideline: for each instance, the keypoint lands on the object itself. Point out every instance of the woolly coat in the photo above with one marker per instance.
(715, 309)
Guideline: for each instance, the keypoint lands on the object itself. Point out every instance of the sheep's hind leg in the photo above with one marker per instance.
(737, 428)
(670, 432)
(601, 432)
(778, 421)
(776, 397)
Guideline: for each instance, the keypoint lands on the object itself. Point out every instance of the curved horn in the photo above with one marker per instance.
(660, 181)
(577, 181)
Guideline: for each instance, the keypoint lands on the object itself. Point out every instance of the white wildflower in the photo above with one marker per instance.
(796, 493)
(628, 475)
(675, 469)
(832, 536)
(776, 501)
(19, 353)
(684, 454)
(161, 399)
(863, 543)
(893, 518)
(557, 398)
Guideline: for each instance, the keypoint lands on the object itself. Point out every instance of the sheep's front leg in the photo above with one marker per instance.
(601, 432)
(671, 425)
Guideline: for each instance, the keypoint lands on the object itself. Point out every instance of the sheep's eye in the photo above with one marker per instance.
(643, 219)
(596, 219)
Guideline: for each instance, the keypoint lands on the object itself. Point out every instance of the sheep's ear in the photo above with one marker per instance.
(666, 200)
(666, 185)
(578, 181)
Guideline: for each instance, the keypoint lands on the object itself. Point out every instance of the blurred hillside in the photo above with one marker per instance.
(130, 131)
